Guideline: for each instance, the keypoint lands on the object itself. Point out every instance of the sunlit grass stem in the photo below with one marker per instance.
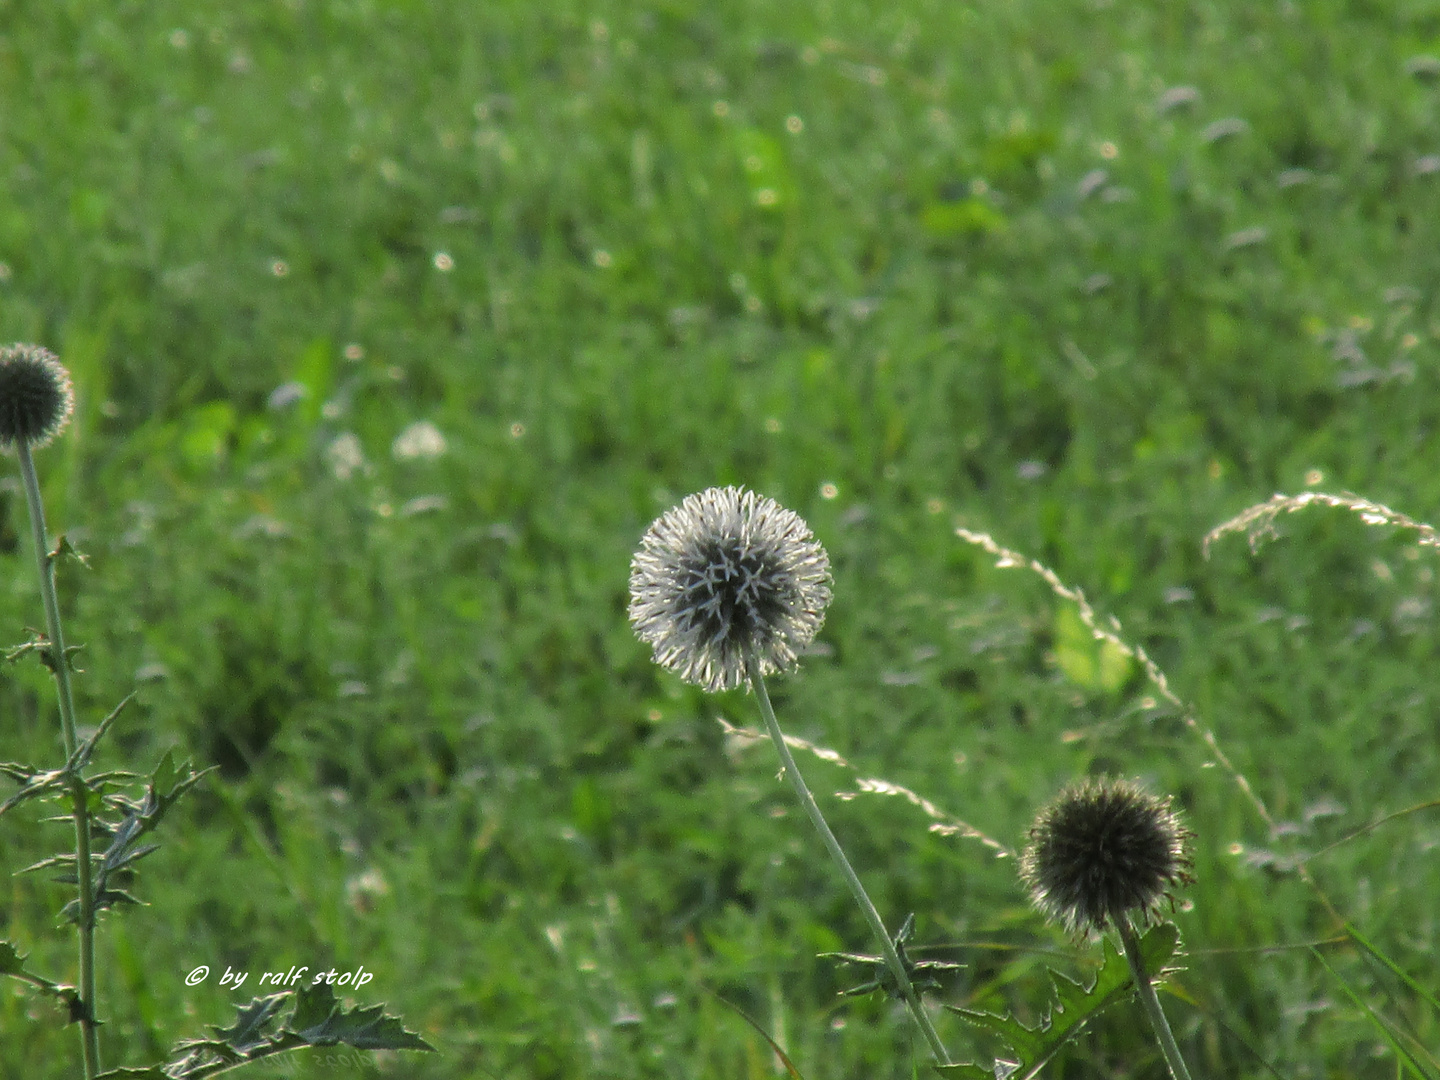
(1148, 998)
(60, 664)
(877, 926)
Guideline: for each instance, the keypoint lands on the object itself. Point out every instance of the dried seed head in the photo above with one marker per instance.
(1105, 848)
(725, 572)
(35, 395)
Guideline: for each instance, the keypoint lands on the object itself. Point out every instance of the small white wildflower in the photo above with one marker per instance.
(345, 455)
(421, 439)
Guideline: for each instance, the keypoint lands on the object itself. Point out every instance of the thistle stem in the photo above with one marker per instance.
(79, 794)
(1149, 1000)
(887, 946)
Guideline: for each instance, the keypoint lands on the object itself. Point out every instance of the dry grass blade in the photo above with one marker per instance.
(944, 823)
(1258, 522)
(1007, 559)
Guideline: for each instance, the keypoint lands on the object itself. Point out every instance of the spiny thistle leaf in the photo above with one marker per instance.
(248, 1029)
(320, 1021)
(125, 1072)
(38, 783)
(39, 647)
(63, 549)
(921, 973)
(12, 963)
(104, 898)
(38, 643)
(166, 785)
(35, 783)
(1034, 1047)
(317, 1019)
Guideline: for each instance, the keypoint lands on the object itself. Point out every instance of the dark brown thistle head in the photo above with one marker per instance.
(35, 395)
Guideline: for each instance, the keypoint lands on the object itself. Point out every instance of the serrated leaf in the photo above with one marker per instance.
(165, 787)
(126, 1072)
(246, 1033)
(971, 1071)
(124, 859)
(104, 898)
(1074, 1004)
(46, 864)
(35, 784)
(64, 549)
(321, 1021)
(16, 653)
(11, 962)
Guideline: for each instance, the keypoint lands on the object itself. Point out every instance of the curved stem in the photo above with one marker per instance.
(1148, 999)
(887, 946)
(60, 664)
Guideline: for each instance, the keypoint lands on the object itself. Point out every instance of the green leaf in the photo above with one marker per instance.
(35, 783)
(206, 438)
(165, 772)
(315, 370)
(968, 217)
(125, 1072)
(972, 1071)
(65, 550)
(1091, 663)
(320, 1021)
(763, 160)
(166, 785)
(316, 1020)
(247, 1031)
(1034, 1047)
(11, 962)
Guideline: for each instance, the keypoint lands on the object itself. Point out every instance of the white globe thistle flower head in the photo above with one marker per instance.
(726, 572)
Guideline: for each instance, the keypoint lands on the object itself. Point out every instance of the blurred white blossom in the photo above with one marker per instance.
(421, 439)
(345, 456)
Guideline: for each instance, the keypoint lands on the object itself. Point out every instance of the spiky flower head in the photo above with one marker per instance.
(1104, 849)
(725, 572)
(35, 395)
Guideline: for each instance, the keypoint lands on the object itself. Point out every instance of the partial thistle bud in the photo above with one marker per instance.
(1104, 849)
(35, 395)
(726, 572)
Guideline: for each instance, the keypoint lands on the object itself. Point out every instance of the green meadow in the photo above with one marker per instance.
(394, 324)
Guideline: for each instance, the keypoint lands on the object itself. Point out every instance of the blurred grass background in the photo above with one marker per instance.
(394, 324)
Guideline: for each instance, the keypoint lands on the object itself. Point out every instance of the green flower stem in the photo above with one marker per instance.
(1147, 998)
(887, 946)
(90, 1037)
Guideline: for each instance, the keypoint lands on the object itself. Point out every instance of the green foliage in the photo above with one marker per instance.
(1094, 665)
(12, 963)
(316, 1020)
(921, 973)
(442, 750)
(1032, 1048)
